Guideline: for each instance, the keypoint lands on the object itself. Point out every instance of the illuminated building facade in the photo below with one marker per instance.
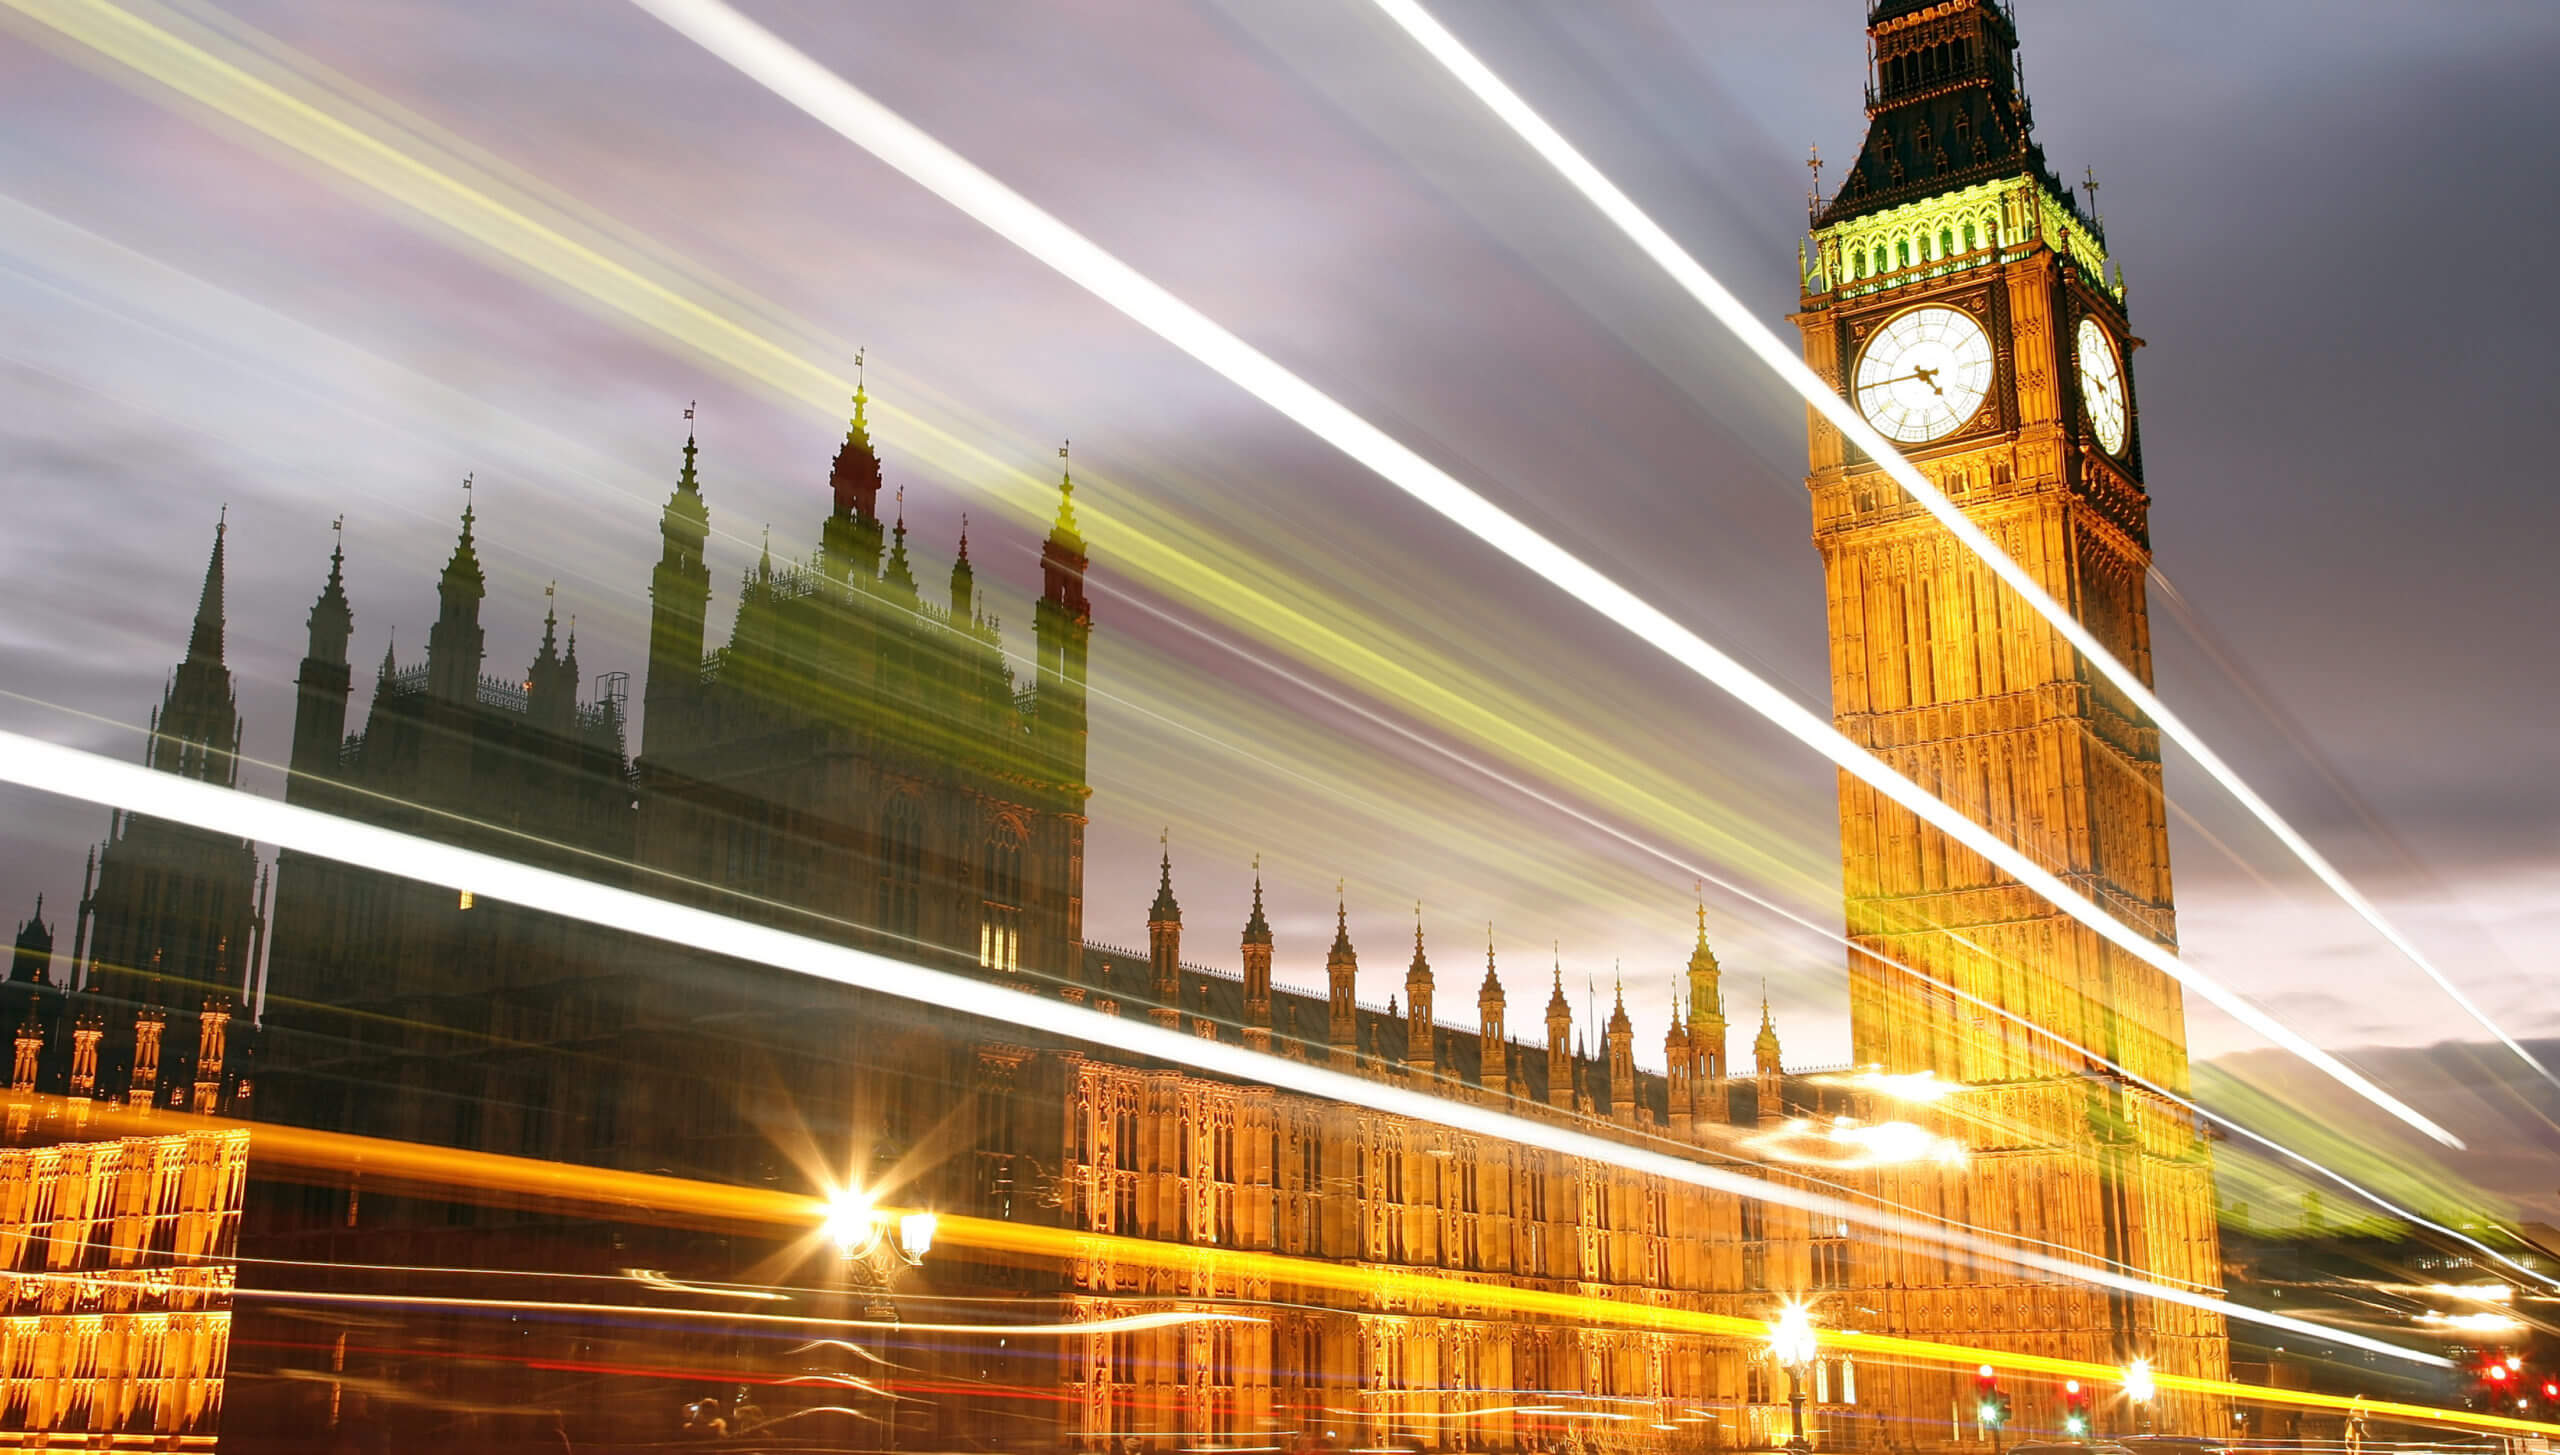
(1963, 300)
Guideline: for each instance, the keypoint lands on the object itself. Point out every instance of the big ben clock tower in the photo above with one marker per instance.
(1959, 298)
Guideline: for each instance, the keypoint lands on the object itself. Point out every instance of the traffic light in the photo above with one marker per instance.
(2075, 1409)
(1991, 1407)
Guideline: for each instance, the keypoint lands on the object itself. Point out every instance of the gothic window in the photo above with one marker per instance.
(1969, 243)
(1830, 1262)
(902, 866)
(1755, 1244)
(1902, 252)
(1946, 242)
(1000, 890)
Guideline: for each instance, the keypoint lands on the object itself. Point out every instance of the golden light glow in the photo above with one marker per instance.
(1792, 1341)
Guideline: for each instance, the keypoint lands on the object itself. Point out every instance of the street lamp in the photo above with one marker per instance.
(2139, 1387)
(873, 1245)
(1793, 1344)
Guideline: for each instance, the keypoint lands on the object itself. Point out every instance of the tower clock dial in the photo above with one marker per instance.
(1924, 374)
(2102, 385)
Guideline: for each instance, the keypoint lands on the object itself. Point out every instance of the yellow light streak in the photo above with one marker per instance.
(683, 1201)
(1764, 344)
(74, 773)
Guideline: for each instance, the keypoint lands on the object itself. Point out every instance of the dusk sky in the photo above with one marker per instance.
(2333, 218)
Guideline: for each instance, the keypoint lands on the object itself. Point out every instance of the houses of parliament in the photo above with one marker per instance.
(861, 759)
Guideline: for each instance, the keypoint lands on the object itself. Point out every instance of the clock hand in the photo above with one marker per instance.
(1925, 376)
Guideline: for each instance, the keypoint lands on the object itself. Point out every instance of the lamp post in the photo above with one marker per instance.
(2140, 1387)
(1793, 1344)
(873, 1246)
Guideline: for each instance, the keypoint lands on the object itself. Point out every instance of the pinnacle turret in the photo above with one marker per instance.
(964, 578)
(1257, 930)
(1166, 910)
(455, 644)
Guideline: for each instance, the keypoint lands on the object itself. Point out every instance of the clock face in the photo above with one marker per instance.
(1924, 374)
(2102, 385)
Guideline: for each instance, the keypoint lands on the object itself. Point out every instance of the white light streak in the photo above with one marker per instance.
(92, 778)
(829, 99)
(1719, 301)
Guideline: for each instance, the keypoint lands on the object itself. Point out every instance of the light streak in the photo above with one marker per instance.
(404, 1163)
(1719, 301)
(652, 1278)
(768, 60)
(1130, 1323)
(73, 773)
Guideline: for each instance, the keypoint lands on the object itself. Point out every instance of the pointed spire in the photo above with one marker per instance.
(462, 572)
(1165, 910)
(1764, 1047)
(964, 577)
(898, 573)
(1492, 988)
(1702, 957)
(331, 620)
(764, 561)
(1556, 1003)
(390, 644)
(1257, 930)
(860, 428)
(1064, 530)
(1420, 965)
(1618, 1021)
(204, 643)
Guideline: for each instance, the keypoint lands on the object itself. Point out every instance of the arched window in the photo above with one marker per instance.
(1970, 242)
(1946, 243)
(1858, 263)
(1000, 896)
(902, 866)
(1902, 250)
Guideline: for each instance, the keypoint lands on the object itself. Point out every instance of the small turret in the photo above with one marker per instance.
(455, 644)
(1494, 1058)
(964, 580)
(679, 598)
(1421, 1054)
(1559, 1043)
(1680, 1078)
(898, 575)
(551, 683)
(1257, 969)
(1620, 1040)
(1706, 1005)
(322, 687)
(1342, 977)
(1164, 943)
(31, 960)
